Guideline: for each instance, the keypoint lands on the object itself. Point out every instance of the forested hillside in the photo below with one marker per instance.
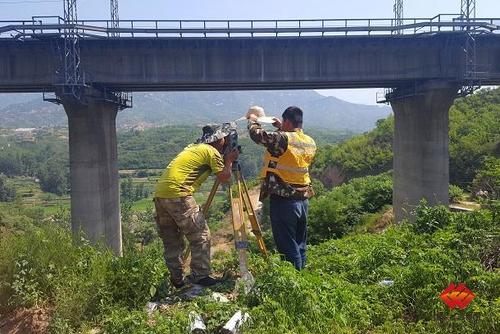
(45, 156)
(474, 135)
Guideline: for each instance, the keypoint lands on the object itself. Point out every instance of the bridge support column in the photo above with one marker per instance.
(95, 202)
(421, 157)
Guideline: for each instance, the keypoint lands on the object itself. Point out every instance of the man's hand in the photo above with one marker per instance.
(276, 122)
(232, 156)
(252, 117)
(225, 175)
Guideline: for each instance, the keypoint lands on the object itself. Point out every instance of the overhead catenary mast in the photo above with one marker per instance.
(72, 70)
(115, 19)
(468, 9)
(398, 14)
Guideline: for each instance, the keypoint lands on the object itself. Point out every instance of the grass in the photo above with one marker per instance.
(338, 292)
(143, 204)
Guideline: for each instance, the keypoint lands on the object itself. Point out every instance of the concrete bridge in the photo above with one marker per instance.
(424, 62)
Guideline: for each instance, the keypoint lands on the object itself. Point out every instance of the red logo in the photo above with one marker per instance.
(457, 296)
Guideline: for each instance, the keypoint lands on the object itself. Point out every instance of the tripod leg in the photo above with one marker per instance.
(240, 235)
(210, 198)
(247, 201)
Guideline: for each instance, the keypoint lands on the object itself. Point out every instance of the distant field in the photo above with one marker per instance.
(30, 194)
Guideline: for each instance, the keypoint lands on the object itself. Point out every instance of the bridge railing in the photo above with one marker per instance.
(45, 25)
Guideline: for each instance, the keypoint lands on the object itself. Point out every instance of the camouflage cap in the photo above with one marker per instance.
(214, 132)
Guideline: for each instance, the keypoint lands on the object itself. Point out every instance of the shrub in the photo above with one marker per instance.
(80, 282)
(335, 213)
(455, 193)
(340, 292)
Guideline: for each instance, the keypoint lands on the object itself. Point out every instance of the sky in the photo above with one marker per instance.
(250, 9)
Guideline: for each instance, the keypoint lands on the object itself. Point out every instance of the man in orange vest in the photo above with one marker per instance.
(286, 180)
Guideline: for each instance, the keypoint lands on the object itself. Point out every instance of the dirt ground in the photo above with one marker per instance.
(222, 238)
(25, 321)
(383, 222)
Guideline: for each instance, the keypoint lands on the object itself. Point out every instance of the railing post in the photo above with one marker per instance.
(205, 28)
(132, 26)
(251, 28)
(156, 26)
(180, 27)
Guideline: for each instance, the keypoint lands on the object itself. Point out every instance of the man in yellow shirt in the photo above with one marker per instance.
(177, 213)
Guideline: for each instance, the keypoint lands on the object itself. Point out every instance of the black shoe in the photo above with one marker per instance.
(178, 284)
(207, 281)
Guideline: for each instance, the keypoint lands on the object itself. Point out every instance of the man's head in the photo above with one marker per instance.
(215, 135)
(292, 118)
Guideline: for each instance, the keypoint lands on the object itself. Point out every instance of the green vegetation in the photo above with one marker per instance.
(85, 288)
(7, 191)
(54, 177)
(488, 179)
(339, 291)
(19, 157)
(340, 210)
(474, 135)
(130, 192)
(455, 193)
(367, 154)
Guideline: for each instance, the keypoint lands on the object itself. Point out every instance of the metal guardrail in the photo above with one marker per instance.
(41, 26)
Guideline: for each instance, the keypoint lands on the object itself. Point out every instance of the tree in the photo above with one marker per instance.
(54, 178)
(7, 192)
(487, 181)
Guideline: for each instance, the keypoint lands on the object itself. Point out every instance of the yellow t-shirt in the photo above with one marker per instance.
(189, 169)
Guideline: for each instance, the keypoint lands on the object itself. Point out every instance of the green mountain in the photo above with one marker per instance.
(195, 108)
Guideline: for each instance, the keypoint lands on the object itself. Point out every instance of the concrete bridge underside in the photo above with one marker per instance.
(425, 71)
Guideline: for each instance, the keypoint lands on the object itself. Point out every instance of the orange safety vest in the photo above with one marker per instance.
(293, 165)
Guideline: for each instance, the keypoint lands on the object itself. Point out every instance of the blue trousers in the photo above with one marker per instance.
(289, 226)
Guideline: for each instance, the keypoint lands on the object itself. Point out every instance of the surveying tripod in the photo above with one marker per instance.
(240, 204)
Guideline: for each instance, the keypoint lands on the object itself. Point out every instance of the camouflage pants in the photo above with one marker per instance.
(176, 218)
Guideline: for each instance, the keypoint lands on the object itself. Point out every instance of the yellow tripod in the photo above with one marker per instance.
(240, 204)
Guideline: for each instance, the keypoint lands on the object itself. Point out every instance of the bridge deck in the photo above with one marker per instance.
(31, 60)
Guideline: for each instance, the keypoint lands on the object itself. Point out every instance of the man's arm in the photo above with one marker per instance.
(224, 175)
(275, 142)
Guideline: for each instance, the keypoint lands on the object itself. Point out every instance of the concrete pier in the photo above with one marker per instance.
(95, 202)
(421, 157)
